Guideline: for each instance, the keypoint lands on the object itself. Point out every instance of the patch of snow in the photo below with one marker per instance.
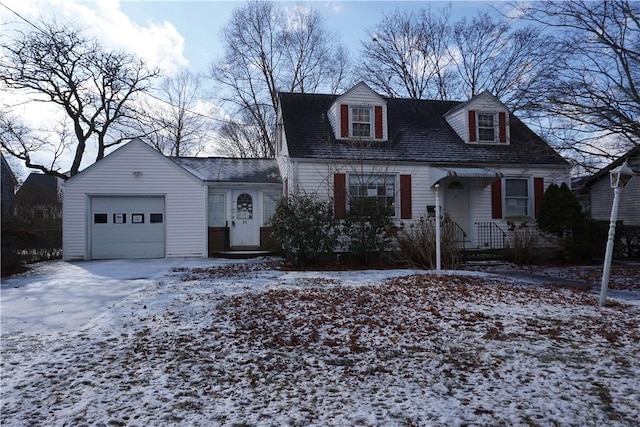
(218, 342)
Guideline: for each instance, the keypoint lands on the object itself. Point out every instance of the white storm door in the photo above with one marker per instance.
(456, 203)
(245, 230)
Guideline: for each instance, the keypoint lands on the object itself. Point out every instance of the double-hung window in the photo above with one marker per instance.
(361, 122)
(486, 127)
(516, 197)
(372, 193)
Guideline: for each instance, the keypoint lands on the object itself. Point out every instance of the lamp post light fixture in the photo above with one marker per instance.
(619, 177)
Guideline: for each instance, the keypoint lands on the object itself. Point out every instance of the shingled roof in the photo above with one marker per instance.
(418, 132)
(219, 169)
(38, 189)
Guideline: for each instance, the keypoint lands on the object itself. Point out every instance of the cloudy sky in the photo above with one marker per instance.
(187, 33)
(178, 34)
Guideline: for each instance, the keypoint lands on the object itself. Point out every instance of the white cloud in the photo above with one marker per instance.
(160, 44)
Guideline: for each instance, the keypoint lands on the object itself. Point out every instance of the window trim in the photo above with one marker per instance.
(352, 121)
(396, 186)
(494, 117)
(529, 198)
(500, 119)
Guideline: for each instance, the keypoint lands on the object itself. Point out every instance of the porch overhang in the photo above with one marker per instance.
(487, 176)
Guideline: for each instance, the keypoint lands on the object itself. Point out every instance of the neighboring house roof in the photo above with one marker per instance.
(8, 184)
(417, 130)
(633, 161)
(218, 169)
(39, 189)
(7, 172)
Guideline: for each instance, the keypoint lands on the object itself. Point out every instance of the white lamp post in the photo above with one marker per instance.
(620, 177)
(438, 254)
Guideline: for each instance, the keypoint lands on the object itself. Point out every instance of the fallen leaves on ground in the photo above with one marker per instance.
(306, 349)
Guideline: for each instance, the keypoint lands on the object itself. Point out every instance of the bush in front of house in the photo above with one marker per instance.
(304, 226)
(416, 243)
(560, 215)
(521, 244)
(369, 230)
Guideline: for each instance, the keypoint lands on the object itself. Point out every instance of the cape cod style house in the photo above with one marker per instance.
(483, 165)
(137, 203)
(479, 162)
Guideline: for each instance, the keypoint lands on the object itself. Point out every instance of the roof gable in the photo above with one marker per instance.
(361, 89)
(633, 161)
(483, 98)
(39, 187)
(124, 150)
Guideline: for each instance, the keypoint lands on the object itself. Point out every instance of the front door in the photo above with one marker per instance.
(245, 230)
(456, 204)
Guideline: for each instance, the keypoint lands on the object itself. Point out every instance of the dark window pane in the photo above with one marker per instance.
(99, 218)
(155, 218)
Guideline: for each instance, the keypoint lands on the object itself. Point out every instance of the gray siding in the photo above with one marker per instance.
(629, 204)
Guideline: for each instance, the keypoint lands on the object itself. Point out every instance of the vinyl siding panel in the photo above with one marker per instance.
(480, 196)
(317, 178)
(185, 199)
(629, 203)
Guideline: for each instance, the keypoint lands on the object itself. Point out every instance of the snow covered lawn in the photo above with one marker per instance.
(249, 344)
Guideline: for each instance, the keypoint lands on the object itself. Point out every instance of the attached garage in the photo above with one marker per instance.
(134, 203)
(127, 227)
(137, 203)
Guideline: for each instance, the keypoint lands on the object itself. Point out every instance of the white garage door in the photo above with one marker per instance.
(127, 227)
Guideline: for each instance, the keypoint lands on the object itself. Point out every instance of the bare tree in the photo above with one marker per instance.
(313, 58)
(489, 54)
(239, 139)
(91, 86)
(594, 86)
(170, 122)
(267, 51)
(405, 55)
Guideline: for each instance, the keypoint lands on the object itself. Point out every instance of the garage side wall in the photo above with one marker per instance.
(136, 170)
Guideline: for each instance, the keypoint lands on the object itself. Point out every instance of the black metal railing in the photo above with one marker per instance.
(490, 235)
(459, 235)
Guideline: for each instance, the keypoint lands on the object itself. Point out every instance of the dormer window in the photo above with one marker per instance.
(359, 114)
(486, 127)
(361, 122)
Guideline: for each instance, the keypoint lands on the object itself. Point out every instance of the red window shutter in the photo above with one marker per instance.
(405, 197)
(378, 121)
(538, 193)
(344, 121)
(472, 126)
(496, 199)
(340, 195)
(502, 126)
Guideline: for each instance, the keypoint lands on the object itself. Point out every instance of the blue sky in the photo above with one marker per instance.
(200, 22)
(188, 32)
(177, 34)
